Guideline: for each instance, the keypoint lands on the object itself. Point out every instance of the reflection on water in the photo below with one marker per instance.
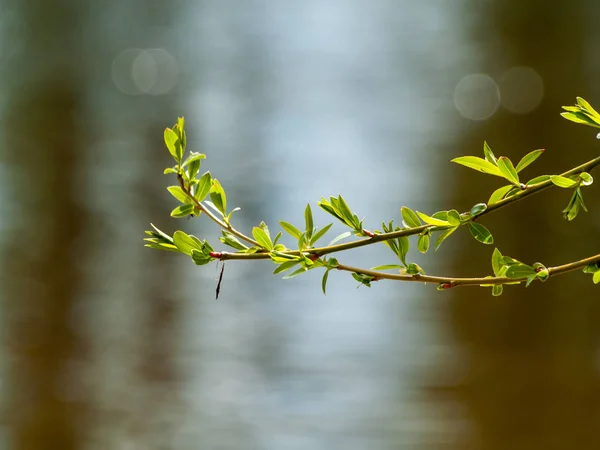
(290, 101)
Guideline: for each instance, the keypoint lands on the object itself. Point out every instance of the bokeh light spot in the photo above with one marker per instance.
(521, 89)
(152, 71)
(476, 96)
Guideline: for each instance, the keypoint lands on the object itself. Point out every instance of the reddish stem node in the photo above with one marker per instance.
(216, 255)
(446, 285)
(369, 233)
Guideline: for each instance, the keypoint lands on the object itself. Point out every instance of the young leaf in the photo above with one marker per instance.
(489, 156)
(481, 233)
(423, 243)
(232, 241)
(537, 180)
(182, 211)
(173, 144)
(480, 164)
(291, 229)
(477, 209)
(387, 267)
(295, 273)
(339, 237)
(308, 219)
(528, 159)
(453, 217)
(286, 266)
(596, 278)
(212, 206)
(203, 187)
(443, 235)
(586, 178)
(319, 234)
(178, 193)
(262, 238)
(499, 194)
(193, 157)
(410, 218)
(324, 281)
(432, 221)
(403, 248)
(562, 182)
(217, 196)
(508, 170)
(186, 243)
(497, 262)
(497, 290)
(520, 270)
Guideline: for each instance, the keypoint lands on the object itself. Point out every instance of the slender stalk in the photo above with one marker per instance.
(321, 251)
(205, 210)
(452, 281)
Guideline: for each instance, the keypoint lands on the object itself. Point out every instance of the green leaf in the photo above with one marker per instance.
(508, 171)
(539, 179)
(319, 234)
(432, 221)
(499, 194)
(497, 262)
(586, 178)
(173, 144)
(520, 270)
(528, 159)
(364, 280)
(201, 258)
(591, 268)
(232, 241)
(186, 243)
(411, 220)
(339, 237)
(193, 157)
(308, 220)
(178, 193)
(443, 235)
(212, 206)
(203, 187)
(481, 233)
(497, 290)
(169, 170)
(182, 211)
(286, 266)
(476, 163)
(403, 248)
(324, 282)
(579, 117)
(261, 235)
(596, 278)
(387, 267)
(414, 269)
(489, 155)
(423, 243)
(217, 196)
(453, 217)
(477, 209)
(295, 273)
(290, 229)
(161, 246)
(346, 212)
(562, 182)
(277, 237)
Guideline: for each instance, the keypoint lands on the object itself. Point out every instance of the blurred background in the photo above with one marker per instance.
(109, 345)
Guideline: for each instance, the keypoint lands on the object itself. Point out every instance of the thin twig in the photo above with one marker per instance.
(321, 251)
(452, 281)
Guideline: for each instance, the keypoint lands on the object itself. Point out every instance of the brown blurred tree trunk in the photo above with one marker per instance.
(531, 379)
(42, 127)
